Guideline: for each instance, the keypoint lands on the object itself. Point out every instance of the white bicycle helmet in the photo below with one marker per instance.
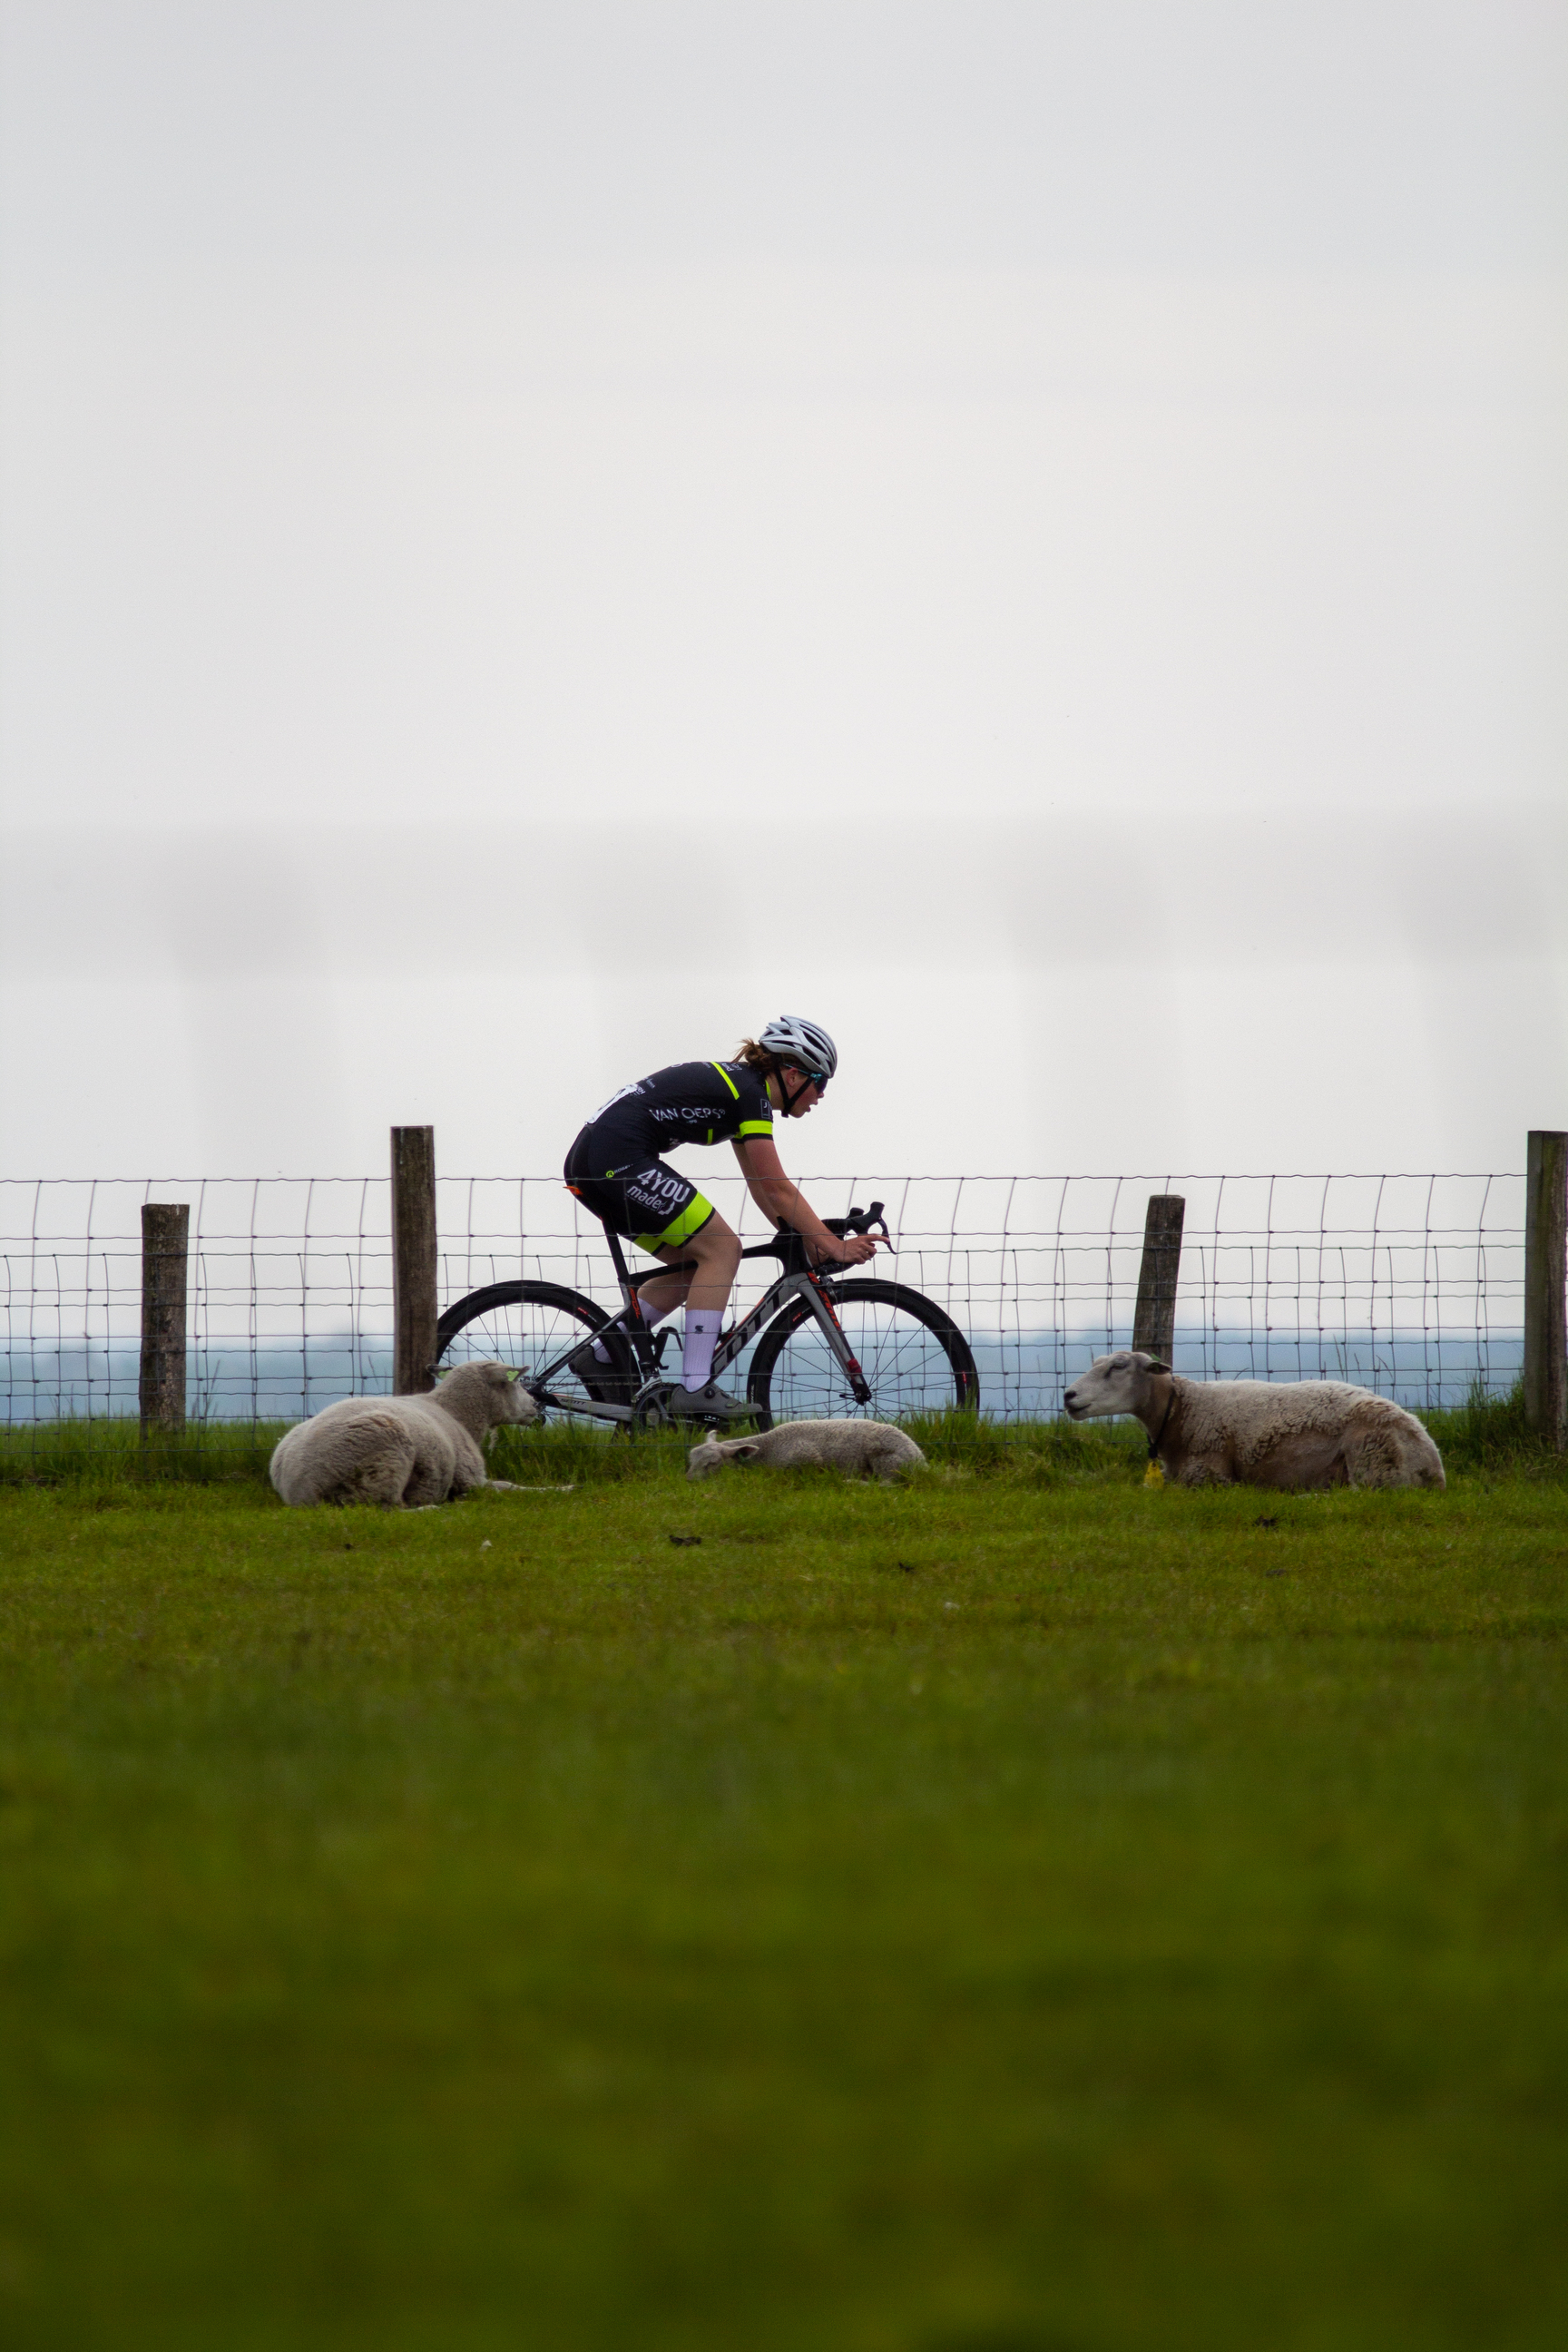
(804, 1043)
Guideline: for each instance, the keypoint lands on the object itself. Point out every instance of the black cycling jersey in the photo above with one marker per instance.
(692, 1102)
(614, 1168)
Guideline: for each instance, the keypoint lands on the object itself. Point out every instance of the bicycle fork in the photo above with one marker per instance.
(819, 1297)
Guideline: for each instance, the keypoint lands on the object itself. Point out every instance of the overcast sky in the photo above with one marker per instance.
(535, 537)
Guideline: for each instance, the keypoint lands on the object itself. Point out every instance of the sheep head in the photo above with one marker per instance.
(511, 1401)
(1119, 1383)
(499, 1389)
(701, 1461)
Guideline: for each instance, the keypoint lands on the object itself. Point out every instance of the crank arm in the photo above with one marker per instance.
(547, 1404)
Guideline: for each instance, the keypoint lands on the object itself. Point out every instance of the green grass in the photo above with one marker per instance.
(1490, 1433)
(111, 1452)
(1486, 1434)
(1022, 1913)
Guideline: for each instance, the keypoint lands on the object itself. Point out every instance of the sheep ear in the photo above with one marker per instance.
(1156, 1366)
(747, 1450)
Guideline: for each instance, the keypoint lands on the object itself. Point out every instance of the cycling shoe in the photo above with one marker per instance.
(706, 1404)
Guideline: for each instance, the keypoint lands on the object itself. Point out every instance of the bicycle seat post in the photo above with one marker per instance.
(622, 1273)
(637, 1338)
(629, 1299)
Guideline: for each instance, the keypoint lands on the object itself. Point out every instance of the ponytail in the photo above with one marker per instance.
(756, 1057)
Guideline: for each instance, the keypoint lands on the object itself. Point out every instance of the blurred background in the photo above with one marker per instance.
(533, 538)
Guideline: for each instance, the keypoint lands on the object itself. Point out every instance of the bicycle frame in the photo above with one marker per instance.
(816, 1289)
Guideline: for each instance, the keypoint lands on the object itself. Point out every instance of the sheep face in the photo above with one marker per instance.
(512, 1402)
(703, 1460)
(1112, 1384)
(503, 1399)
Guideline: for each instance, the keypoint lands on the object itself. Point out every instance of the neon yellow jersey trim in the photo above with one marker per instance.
(679, 1229)
(754, 1127)
(729, 1081)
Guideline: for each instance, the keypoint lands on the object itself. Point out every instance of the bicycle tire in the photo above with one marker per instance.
(934, 1374)
(529, 1322)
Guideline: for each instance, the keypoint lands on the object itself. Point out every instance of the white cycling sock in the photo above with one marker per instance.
(626, 1322)
(701, 1339)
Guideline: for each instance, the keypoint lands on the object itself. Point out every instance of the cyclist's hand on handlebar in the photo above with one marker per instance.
(854, 1249)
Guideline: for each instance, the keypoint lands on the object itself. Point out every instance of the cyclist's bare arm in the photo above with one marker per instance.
(777, 1198)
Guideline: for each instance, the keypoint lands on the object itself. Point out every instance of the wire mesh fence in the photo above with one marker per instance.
(1411, 1284)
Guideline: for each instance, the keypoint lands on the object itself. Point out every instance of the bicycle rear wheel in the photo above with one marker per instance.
(532, 1323)
(913, 1355)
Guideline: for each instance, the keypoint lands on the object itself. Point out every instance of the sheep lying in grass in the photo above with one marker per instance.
(861, 1449)
(1261, 1433)
(400, 1452)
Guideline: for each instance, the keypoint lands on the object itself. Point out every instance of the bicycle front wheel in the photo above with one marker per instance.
(914, 1358)
(530, 1324)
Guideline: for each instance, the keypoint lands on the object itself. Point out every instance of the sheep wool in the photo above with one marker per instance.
(402, 1452)
(1259, 1433)
(861, 1449)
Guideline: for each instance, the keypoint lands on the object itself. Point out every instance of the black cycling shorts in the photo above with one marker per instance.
(655, 1206)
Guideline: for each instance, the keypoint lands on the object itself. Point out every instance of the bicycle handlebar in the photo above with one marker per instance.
(859, 1221)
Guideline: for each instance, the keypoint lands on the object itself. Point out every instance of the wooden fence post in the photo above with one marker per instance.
(1154, 1316)
(165, 1263)
(1546, 1283)
(414, 1313)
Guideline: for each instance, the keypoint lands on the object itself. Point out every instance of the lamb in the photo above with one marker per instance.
(861, 1449)
(1261, 1432)
(404, 1453)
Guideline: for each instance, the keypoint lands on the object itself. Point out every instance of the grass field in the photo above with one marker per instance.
(1024, 1912)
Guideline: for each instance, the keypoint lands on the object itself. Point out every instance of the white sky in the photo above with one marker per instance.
(534, 537)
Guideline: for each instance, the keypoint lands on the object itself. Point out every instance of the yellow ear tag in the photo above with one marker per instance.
(1154, 1475)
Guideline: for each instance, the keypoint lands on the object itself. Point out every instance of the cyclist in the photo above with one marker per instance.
(616, 1169)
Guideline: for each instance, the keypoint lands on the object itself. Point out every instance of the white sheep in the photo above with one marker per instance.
(403, 1452)
(861, 1449)
(1261, 1432)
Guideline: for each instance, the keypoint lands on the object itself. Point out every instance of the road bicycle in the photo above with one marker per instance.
(827, 1347)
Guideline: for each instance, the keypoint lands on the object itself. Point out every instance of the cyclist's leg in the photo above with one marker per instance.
(717, 1251)
(694, 1229)
(699, 1233)
(705, 1290)
(665, 1214)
